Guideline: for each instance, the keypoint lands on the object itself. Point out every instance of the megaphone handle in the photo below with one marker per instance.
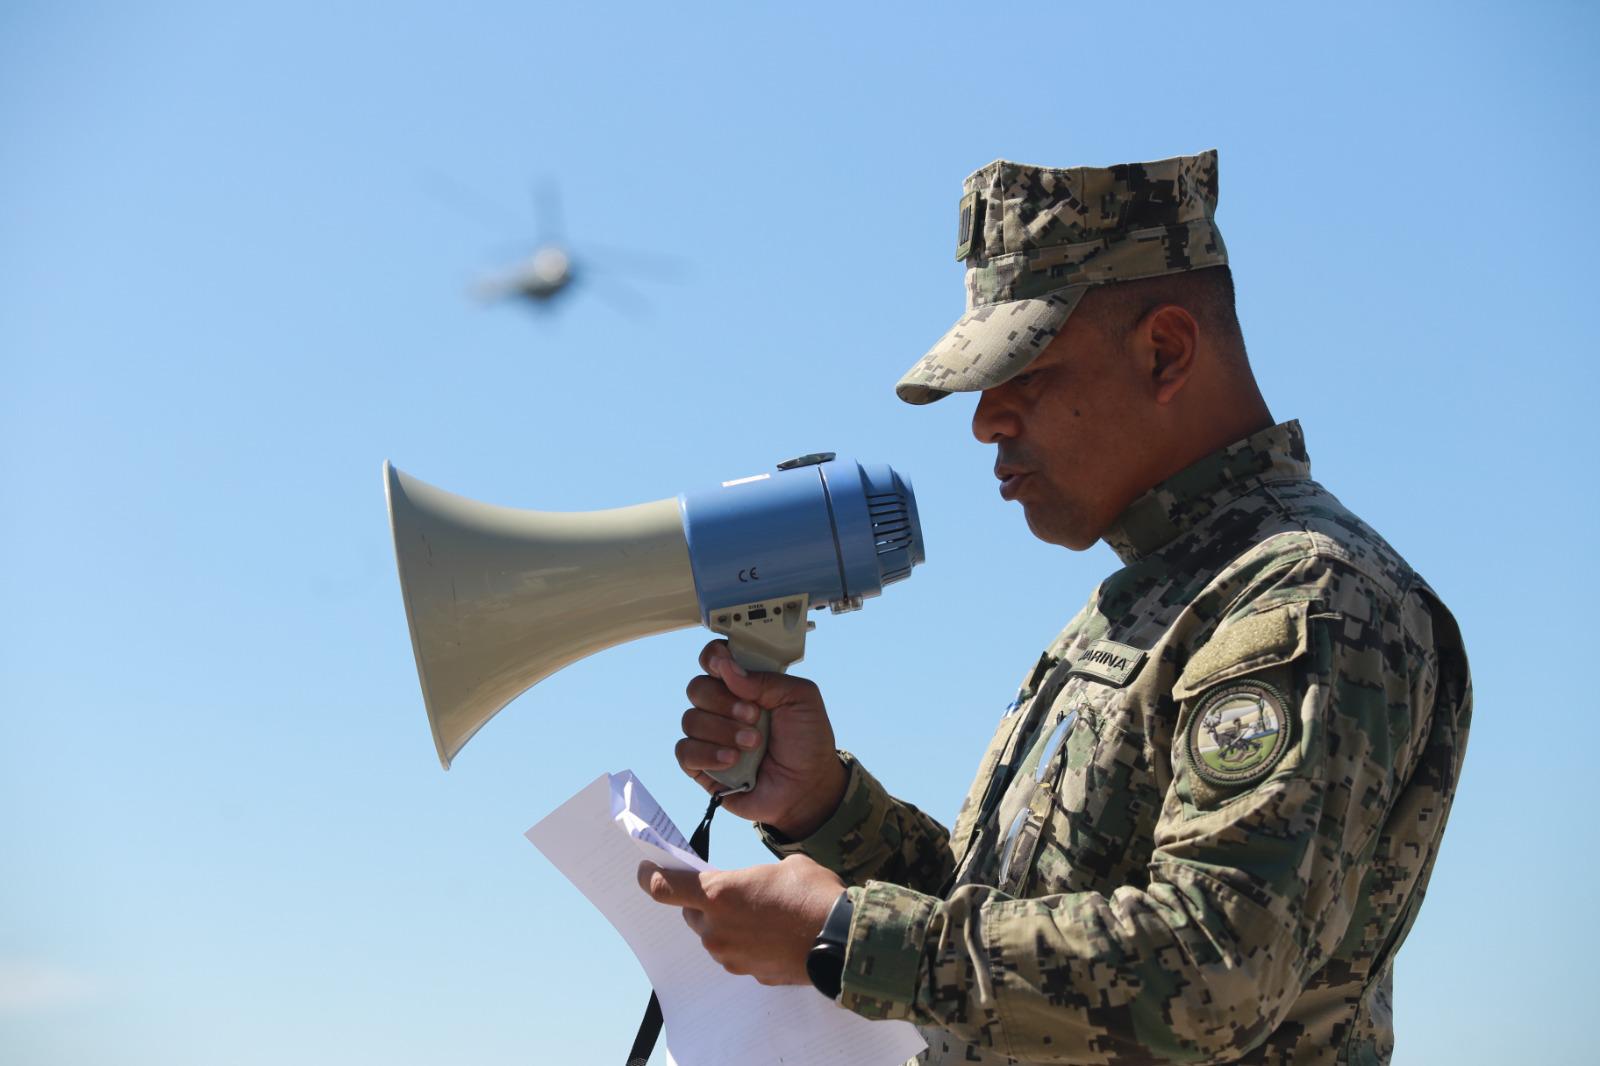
(767, 636)
(741, 776)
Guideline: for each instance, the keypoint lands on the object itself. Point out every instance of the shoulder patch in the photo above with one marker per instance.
(1238, 733)
(1109, 661)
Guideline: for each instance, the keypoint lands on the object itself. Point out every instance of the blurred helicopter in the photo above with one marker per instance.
(549, 269)
(540, 277)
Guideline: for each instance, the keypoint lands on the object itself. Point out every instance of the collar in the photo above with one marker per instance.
(1184, 500)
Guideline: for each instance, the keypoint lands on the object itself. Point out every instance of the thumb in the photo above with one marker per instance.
(676, 888)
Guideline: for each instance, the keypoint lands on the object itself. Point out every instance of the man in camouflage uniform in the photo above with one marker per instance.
(1206, 822)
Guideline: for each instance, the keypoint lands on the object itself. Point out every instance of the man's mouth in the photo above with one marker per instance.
(1011, 480)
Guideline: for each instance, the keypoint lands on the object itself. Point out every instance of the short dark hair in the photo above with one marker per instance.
(1117, 307)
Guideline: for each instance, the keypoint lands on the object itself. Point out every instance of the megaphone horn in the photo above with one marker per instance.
(499, 598)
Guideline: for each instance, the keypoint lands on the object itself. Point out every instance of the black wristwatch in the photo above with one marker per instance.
(825, 962)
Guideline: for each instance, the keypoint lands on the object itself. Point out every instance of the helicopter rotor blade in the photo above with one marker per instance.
(465, 202)
(650, 265)
(547, 203)
(622, 297)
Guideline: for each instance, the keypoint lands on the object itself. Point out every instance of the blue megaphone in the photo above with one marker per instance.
(499, 598)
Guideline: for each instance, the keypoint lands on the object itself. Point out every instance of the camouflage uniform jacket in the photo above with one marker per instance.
(1205, 824)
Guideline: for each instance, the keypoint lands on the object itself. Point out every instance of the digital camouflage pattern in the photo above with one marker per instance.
(1101, 898)
(1036, 238)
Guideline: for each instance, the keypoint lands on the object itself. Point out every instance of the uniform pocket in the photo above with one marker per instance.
(1092, 811)
(1021, 834)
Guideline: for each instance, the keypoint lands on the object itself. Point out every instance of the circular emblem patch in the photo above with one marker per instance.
(1238, 733)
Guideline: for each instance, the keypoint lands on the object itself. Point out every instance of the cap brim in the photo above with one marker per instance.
(988, 346)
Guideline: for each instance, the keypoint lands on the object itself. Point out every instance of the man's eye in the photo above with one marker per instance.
(1023, 380)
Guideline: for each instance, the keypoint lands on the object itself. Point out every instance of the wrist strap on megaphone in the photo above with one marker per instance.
(650, 1025)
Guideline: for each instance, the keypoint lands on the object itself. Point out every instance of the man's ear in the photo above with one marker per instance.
(1168, 338)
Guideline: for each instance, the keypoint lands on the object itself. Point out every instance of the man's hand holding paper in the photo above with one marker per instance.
(597, 839)
(759, 921)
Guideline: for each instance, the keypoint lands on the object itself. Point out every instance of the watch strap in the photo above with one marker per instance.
(825, 961)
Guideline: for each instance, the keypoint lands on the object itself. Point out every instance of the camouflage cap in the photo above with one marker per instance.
(1036, 238)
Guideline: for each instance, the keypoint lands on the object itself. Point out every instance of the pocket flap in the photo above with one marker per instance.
(1245, 645)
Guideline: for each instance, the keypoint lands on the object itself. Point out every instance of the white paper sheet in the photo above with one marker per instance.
(712, 1017)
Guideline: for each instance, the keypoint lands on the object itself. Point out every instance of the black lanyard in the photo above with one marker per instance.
(650, 1025)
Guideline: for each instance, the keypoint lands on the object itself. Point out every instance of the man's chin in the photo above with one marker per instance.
(1059, 529)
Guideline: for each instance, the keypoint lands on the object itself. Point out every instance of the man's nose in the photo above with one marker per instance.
(994, 418)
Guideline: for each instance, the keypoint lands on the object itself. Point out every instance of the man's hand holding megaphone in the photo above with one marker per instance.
(801, 779)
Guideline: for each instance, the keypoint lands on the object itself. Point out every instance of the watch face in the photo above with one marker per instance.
(825, 967)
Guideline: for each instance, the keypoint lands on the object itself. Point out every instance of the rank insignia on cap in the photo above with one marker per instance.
(968, 224)
(1238, 733)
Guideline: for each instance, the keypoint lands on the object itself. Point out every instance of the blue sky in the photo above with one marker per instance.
(229, 290)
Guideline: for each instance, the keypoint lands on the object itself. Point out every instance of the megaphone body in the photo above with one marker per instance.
(500, 598)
